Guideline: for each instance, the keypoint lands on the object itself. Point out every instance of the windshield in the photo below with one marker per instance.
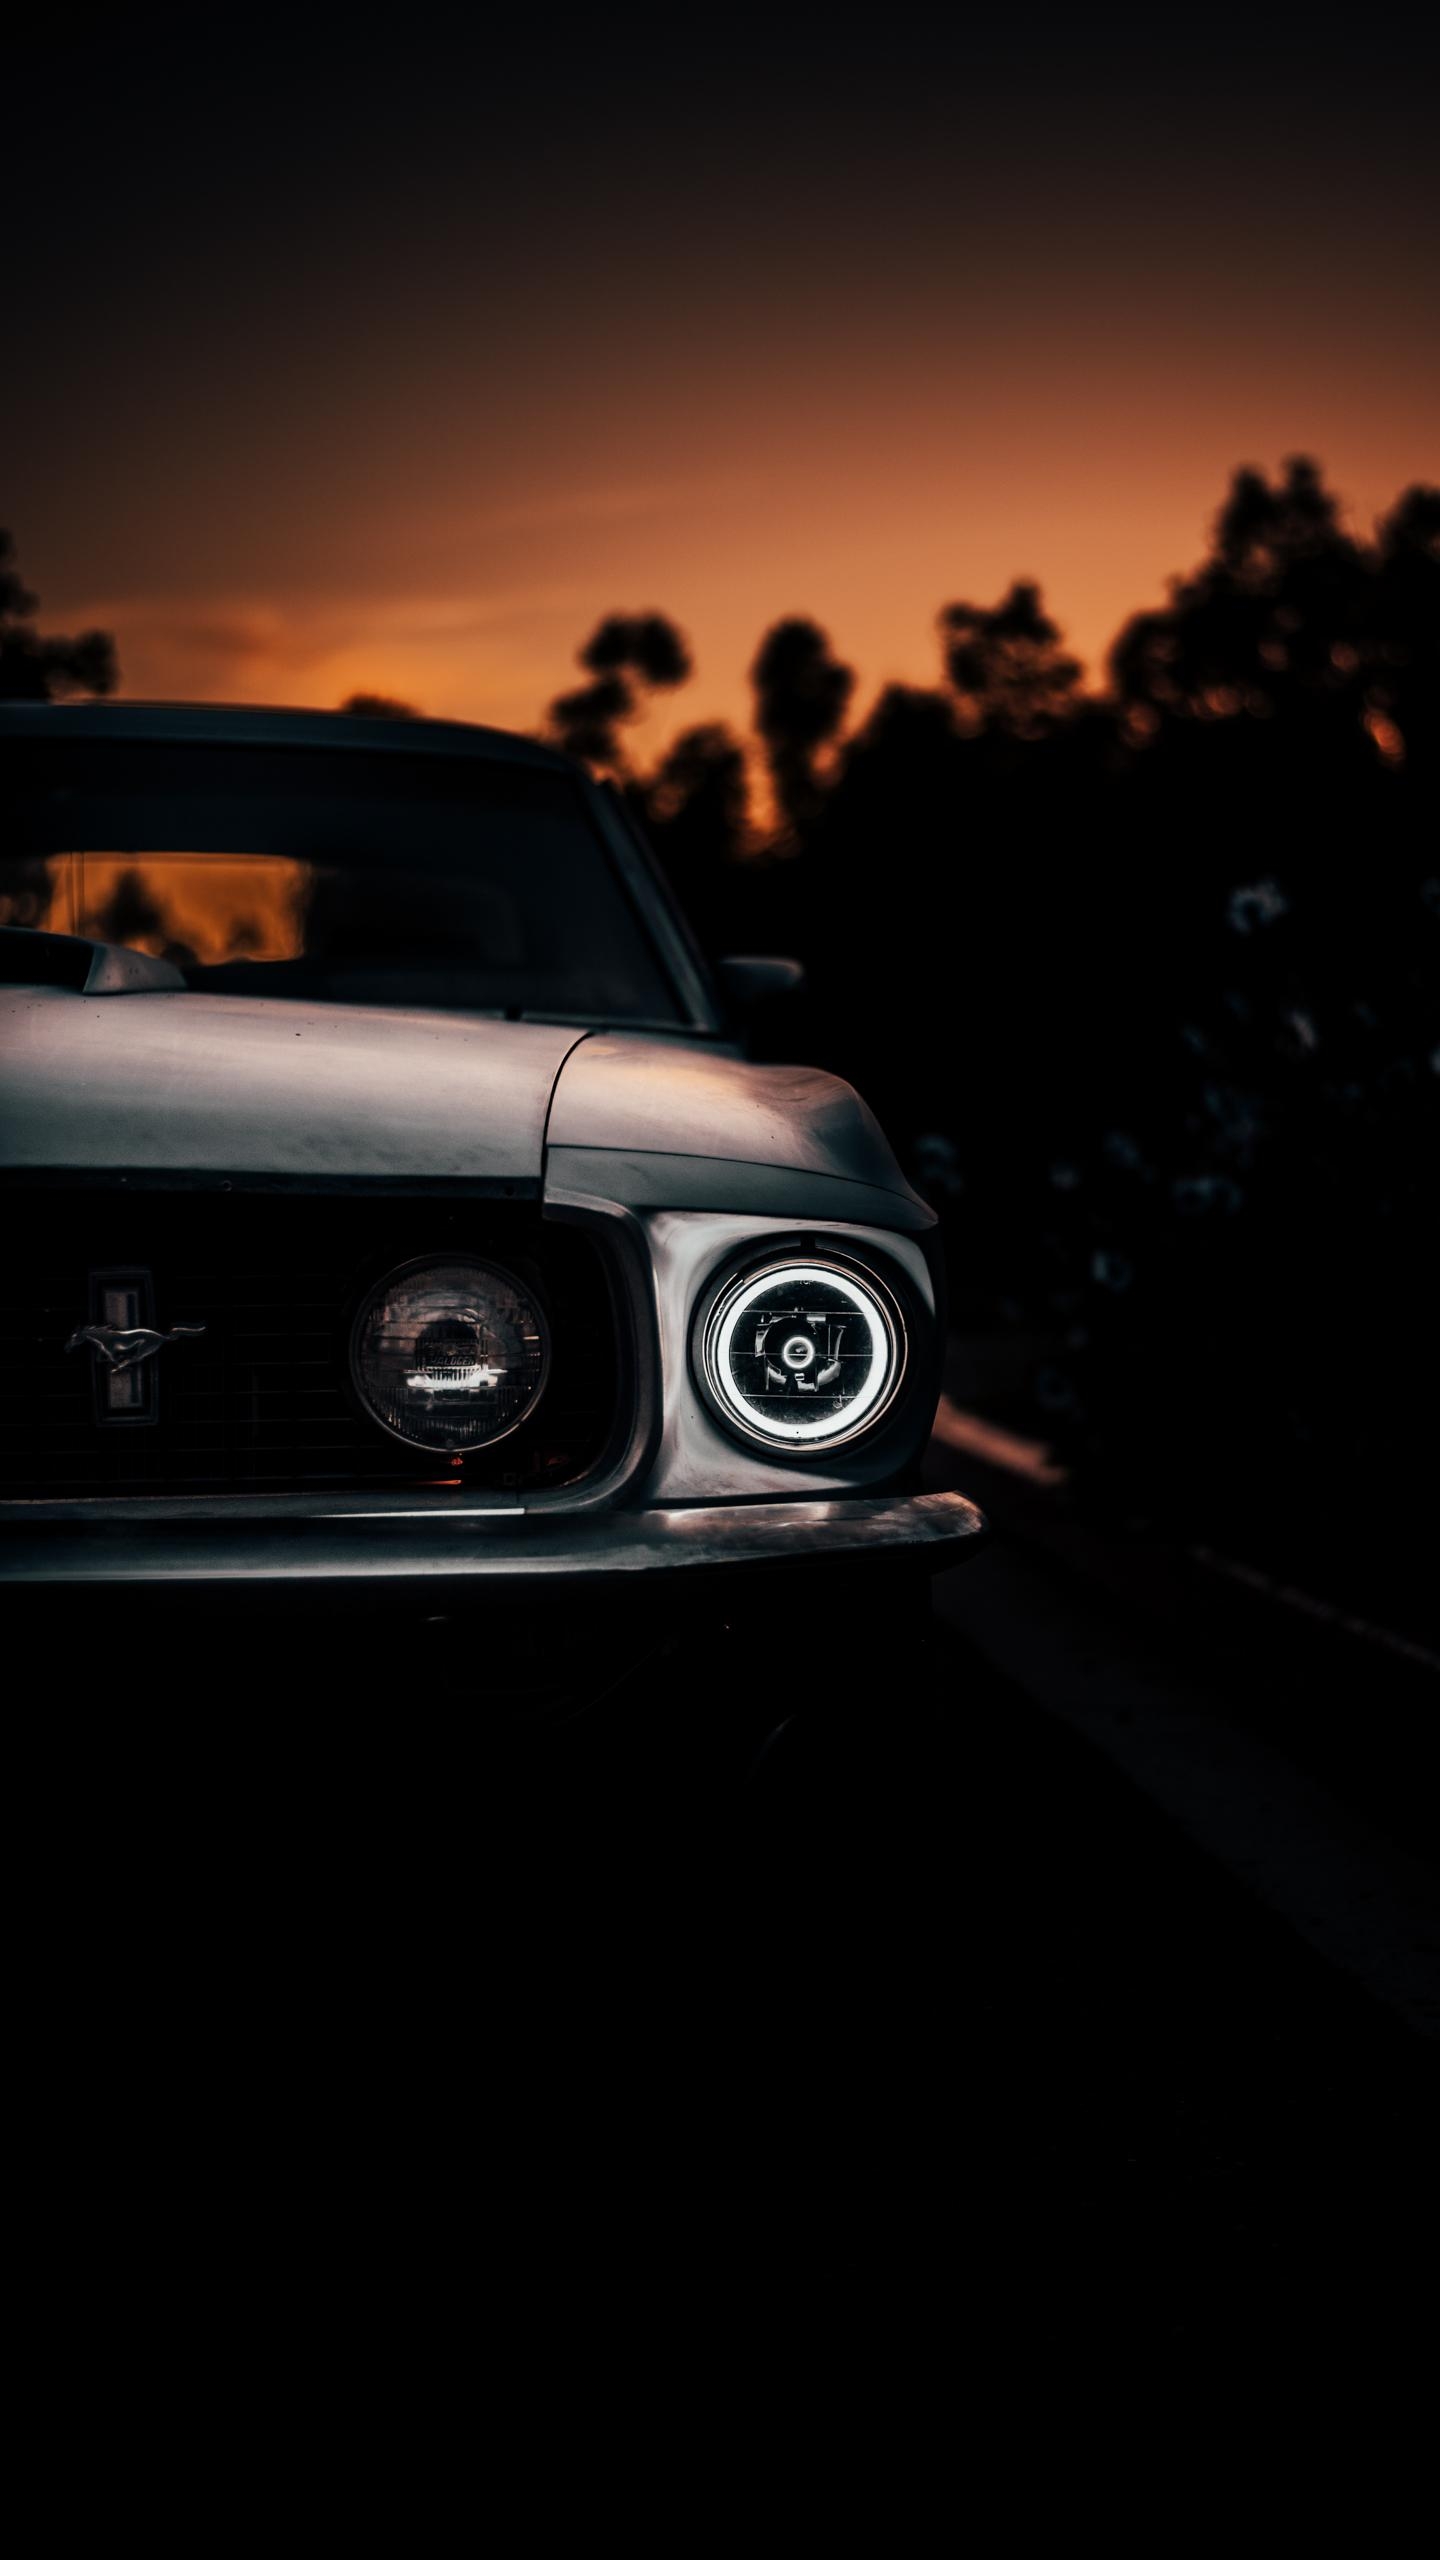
(358, 878)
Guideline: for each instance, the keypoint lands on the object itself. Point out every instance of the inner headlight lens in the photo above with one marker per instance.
(804, 1352)
(450, 1355)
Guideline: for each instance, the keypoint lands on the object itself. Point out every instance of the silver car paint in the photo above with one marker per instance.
(247, 1085)
(170, 1084)
(651, 1098)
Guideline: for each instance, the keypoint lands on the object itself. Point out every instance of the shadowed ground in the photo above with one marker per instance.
(939, 2021)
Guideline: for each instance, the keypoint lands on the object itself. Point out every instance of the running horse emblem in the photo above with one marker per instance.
(123, 1347)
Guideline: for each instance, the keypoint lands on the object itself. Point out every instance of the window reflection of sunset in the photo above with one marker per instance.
(218, 906)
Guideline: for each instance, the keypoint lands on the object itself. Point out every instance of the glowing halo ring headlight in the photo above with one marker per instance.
(449, 1353)
(805, 1353)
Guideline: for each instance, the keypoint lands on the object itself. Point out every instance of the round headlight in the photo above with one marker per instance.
(449, 1355)
(803, 1353)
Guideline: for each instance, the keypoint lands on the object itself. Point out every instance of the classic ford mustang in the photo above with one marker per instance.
(394, 1216)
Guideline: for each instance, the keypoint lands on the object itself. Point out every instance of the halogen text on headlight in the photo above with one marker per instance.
(449, 1354)
(803, 1353)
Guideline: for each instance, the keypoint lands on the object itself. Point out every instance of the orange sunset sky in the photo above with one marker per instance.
(398, 377)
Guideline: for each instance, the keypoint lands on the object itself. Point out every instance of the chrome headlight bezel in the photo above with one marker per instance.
(447, 1259)
(729, 1297)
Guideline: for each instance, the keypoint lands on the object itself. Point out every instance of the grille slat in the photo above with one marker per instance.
(262, 1400)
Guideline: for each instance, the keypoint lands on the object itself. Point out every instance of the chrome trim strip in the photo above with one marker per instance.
(322, 1555)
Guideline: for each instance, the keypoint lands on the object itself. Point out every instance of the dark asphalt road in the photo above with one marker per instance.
(952, 2005)
(1144, 2106)
(1065, 1988)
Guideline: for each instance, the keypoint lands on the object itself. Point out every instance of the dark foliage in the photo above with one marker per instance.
(802, 694)
(1148, 988)
(696, 799)
(378, 706)
(640, 644)
(35, 669)
(1007, 664)
(627, 656)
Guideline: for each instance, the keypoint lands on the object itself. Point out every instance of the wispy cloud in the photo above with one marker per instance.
(564, 508)
(484, 658)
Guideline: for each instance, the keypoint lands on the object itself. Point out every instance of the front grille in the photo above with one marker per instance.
(261, 1401)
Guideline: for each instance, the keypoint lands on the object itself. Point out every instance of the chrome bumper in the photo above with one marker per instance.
(452, 1549)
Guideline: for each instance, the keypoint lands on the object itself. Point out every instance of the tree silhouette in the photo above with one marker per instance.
(627, 656)
(802, 694)
(1405, 685)
(696, 807)
(586, 723)
(1263, 529)
(1280, 611)
(379, 706)
(35, 669)
(1006, 664)
(131, 915)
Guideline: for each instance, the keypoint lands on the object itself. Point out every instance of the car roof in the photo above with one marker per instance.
(244, 724)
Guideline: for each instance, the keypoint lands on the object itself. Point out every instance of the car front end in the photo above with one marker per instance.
(539, 1327)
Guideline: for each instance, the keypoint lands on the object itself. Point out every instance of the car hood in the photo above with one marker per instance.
(170, 1084)
(663, 1124)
